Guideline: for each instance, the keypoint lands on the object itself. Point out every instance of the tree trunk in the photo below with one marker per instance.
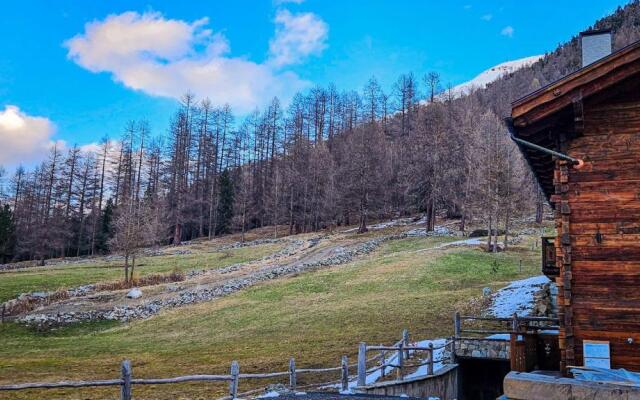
(133, 266)
(489, 233)
(126, 268)
(539, 207)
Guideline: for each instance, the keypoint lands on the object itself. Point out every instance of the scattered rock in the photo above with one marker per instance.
(134, 293)
(437, 231)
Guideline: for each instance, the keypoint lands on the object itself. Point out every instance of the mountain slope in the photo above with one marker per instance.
(492, 74)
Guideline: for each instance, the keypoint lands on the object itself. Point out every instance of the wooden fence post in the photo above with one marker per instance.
(292, 374)
(453, 350)
(125, 374)
(233, 384)
(400, 361)
(383, 362)
(344, 376)
(362, 364)
(405, 342)
(430, 364)
(456, 324)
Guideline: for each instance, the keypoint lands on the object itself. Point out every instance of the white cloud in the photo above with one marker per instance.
(168, 57)
(487, 17)
(297, 37)
(279, 2)
(507, 31)
(25, 139)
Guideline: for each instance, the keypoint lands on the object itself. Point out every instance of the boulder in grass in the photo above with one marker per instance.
(134, 293)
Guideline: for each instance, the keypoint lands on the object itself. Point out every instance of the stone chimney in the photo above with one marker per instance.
(596, 44)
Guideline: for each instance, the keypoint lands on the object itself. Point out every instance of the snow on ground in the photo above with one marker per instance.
(401, 222)
(517, 297)
(438, 355)
(374, 376)
(502, 336)
(387, 224)
(267, 395)
(594, 374)
(465, 242)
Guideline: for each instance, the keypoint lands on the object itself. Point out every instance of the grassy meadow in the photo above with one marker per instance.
(67, 276)
(315, 317)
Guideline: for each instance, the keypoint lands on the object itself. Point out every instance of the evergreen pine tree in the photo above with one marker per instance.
(225, 203)
(106, 228)
(7, 234)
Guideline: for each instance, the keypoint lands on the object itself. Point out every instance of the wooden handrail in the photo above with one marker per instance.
(126, 381)
(62, 384)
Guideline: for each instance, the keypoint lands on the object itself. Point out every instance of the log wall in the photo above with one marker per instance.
(598, 242)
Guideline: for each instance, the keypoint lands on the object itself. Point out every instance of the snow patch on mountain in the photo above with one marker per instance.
(484, 78)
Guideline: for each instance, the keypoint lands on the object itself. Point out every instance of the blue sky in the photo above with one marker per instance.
(62, 80)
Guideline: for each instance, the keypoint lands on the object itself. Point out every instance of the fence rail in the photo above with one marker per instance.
(126, 380)
(514, 323)
(403, 350)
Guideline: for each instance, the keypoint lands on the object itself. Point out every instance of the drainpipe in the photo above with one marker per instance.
(578, 163)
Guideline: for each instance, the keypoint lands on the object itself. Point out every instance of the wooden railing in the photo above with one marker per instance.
(126, 381)
(501, 325)
(403, 351)
(523, 335)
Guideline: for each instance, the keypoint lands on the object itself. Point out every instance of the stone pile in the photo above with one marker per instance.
(543, 301)
(438, 231)
(238, 245)
(147, 309)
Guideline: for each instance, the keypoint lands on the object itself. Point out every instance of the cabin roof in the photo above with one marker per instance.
(542, 115)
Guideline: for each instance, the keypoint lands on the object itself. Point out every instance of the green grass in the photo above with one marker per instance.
(72, 275)
(315, 316)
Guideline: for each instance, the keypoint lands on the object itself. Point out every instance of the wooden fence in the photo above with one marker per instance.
(513, 324)
(523, 334)
(126, 381)
(403, 351)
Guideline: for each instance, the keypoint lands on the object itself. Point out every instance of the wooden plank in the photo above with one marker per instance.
(589, 81)
(292, 374)
(604, 176)
(344, 373)
(601, 295)
(606, 228)
(125, 374)
(606, 241)
(601, 215)
(62, 384)
(599, 147)
(362, 364)
(233, 384)
(613, 254)
(632, 267)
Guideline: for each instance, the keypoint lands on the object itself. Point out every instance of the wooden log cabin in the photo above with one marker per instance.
(591, 117)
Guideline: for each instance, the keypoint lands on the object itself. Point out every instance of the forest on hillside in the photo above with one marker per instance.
(330, 158)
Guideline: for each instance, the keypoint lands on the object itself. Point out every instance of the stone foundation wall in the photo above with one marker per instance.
(483, 348)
